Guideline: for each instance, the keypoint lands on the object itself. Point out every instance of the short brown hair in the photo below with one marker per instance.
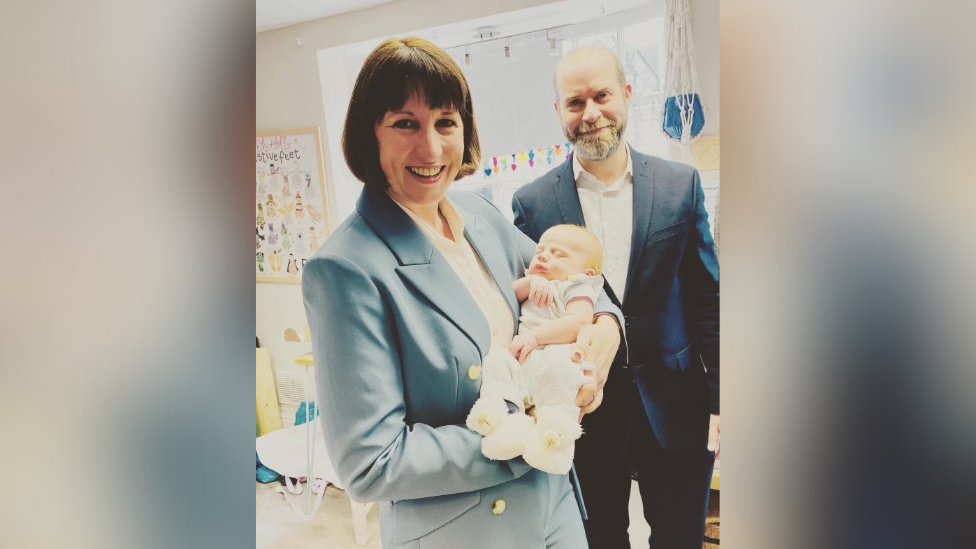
(396, 70)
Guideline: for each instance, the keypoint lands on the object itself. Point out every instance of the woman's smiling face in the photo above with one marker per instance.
(421, 151)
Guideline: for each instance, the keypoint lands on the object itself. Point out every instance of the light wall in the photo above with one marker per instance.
(289, 94)
(705, 32)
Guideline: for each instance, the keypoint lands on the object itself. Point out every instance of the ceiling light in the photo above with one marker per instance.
(485, 33)
(553, 44)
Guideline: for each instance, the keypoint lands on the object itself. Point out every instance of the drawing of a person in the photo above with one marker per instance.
(271, 207)
(299, 209)
(272, 235)
(310, 190)
(313, 243)
(285, 237)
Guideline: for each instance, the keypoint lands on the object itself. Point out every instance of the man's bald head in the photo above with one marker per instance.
(587, 56)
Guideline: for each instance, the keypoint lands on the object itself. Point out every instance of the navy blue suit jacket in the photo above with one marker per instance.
(671, 301)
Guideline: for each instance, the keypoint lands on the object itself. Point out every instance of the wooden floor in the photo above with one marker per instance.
(279, 527)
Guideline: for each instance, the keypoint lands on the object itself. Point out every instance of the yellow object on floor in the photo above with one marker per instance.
(268, 413)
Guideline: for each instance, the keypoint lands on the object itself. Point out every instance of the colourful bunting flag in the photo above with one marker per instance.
(502, 163)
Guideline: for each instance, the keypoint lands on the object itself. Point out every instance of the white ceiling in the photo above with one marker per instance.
(551, 15)
(272, 14)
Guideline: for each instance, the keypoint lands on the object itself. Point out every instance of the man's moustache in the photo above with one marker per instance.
(583, 129)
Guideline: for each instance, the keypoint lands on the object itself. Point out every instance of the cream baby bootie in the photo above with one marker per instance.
(552, 444)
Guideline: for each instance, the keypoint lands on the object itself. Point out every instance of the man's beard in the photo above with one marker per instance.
(600, 146)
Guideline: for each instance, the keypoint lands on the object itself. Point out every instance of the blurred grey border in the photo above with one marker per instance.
(847, 329)
(128, 298)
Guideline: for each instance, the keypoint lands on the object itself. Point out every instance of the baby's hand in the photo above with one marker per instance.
(540, 291)
(522, 345)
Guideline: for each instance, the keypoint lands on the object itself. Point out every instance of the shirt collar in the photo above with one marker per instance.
(446, 207)
(587, 179)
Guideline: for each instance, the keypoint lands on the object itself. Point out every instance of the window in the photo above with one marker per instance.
(638, 38)
(513, 99)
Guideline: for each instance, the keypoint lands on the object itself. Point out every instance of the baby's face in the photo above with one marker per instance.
(558, 255)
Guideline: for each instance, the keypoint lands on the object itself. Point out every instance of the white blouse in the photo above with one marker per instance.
(472, 272)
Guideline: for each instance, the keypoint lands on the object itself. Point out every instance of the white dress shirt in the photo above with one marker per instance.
(609, 214)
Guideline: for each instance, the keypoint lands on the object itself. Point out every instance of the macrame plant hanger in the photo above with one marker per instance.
(683, 116)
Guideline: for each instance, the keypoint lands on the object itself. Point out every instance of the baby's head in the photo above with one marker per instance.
(565, 250)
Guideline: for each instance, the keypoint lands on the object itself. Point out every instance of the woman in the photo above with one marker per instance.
(403, 302)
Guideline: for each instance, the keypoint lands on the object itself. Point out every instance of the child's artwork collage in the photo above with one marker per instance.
(291, 216)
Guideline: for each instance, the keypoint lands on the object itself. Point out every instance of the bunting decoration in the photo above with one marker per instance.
(531, 159)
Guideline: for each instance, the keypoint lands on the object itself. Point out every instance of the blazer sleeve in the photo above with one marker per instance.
(699, 270)
(376, 454)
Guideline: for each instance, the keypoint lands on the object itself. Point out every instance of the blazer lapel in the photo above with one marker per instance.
(488, 248)
(423, 268)
(566, 195)
(643, 196)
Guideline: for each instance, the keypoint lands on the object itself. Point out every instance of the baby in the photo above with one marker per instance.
(527, 405)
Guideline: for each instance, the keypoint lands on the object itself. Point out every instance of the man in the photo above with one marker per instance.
(660, 411)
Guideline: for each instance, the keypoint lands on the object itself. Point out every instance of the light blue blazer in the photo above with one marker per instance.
(394, 334)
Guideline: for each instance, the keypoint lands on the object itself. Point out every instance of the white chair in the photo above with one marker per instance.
(286, 451)
(299, 451)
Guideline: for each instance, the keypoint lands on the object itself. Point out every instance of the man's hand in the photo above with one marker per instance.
(713, 434)
(588, 400)
(598, 344)
(540, 291)
(522, 345)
